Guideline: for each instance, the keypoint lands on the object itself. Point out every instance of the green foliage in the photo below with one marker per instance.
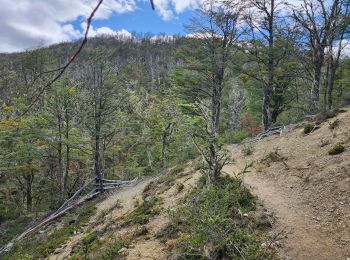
(40, 246)
(334, 124)
(199, 165)
(308, 128)
(247, 150)
(179, 187)
(208, 213)
(142, 213)
(337, 149)
(273, 156)
(234, 137)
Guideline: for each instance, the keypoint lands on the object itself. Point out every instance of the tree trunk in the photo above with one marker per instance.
(315, 91)
(164, 142)
(65, 180)
(29, 198)
(215, 117)
(266, 109)
(60, 155)
(97, 169)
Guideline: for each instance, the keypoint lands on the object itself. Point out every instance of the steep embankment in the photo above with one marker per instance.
(306, 189)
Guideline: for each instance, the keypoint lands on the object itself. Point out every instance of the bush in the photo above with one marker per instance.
(308, 128)
(142, 213)
(273, 156)
(179, 187)
(333, 125)
(199, 165)
(211, 222)
(40, 246)
(247, 150)
(234, 137)
(337, 149)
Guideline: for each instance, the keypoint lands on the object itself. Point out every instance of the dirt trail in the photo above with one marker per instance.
(308, 192)
(125, 197)
(305, 239)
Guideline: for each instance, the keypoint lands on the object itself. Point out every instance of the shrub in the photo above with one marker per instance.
(199, 165)
(210, 222)
(273, 156)
(308, 128)
(247, 150)
(334, 124)
(143, 212)
(179, 187)
(234, 137)
(337, 149)
(177, 169)
(40, 246)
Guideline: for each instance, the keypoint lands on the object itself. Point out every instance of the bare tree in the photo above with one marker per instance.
(322, 24)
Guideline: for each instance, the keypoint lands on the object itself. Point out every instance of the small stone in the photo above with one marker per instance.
(245, 215)
(123, 250)
(147, 199)
(278, 244)
(58, 250)
(41, 231)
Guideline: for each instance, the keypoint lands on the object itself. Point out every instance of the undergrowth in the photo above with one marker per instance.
(39, 246)
(212, 223)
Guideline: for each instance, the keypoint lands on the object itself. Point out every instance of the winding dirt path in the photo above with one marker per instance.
(304, 239)
(308, 192)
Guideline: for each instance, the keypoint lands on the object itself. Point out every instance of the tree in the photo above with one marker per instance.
(200, 83)
(100, 107)
(324, 24)
(270, 44)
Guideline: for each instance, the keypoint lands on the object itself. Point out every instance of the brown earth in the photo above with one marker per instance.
(306, 190)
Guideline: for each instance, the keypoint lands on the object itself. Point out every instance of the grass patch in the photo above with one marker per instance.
(337, 149)
(247, 150)
(333, 125)
(211, 223)
(273, 156)
(143, 212)
(233, 137)
(42, 245)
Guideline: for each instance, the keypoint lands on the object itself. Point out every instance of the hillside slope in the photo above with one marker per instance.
(307, 189)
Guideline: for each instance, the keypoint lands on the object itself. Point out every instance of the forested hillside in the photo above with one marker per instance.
(130, 107)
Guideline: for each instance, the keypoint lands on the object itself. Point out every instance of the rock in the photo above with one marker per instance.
(123, 250)
(8, 247)
(245, 215)
(41, 231)
(147, 199)
(58, 250)
(278, 244)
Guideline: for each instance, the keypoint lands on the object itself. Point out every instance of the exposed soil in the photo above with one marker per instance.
(308, 191)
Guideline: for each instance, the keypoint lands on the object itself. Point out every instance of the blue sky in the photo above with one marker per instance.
(145, 20)
(28, 24)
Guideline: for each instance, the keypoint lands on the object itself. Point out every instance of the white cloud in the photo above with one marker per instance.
(27, 24)
(167, 9)
(105, 31)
